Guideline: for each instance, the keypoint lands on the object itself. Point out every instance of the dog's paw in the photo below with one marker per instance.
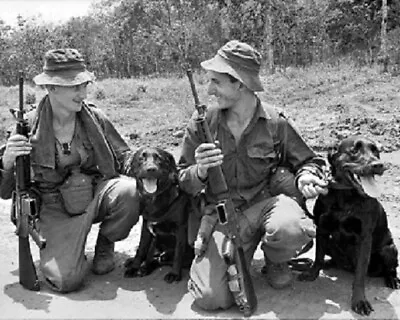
(392, 282)
(132, 273)
(137, 272)
(362, 307)
(172, 277)
(132, 268)
(309, 275)
(132, 263)
(145, 269)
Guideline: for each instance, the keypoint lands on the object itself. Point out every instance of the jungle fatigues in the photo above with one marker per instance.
(97, 150)
(265, 213)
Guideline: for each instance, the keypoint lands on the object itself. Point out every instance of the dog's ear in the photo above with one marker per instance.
(167, 157)
(126, 164)
(332, 153)
(130, 163)
(170, 163)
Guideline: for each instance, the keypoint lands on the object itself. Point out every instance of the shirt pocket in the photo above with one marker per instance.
(261, 152)
(49, 176)
(261, 157)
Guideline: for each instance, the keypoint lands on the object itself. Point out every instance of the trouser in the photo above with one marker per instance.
(279, 222)
(63, 261)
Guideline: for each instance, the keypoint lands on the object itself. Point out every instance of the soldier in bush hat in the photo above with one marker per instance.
(64, 67)
(269, 169)
(76, 160)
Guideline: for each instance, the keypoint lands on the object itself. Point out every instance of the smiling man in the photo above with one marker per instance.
(268, 168)
(76, 159)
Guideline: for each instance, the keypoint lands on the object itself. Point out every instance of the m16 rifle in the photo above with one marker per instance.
(239, 278)
(24, 208)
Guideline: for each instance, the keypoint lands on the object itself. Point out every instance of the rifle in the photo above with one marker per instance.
(24, 208)
(240, 282)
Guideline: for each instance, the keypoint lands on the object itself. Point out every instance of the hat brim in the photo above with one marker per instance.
(65, 78)
(218, 64)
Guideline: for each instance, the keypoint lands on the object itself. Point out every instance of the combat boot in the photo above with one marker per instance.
(103, 261)
(279, 275)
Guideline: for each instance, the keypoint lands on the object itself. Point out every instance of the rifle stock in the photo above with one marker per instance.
(24, 213)
(233, 252)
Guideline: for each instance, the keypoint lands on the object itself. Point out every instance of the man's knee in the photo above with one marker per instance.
(208, 282)
(210, 298)
(288, 227)
(63, 282)
(288, 217)
(125, 191)
(120, 207)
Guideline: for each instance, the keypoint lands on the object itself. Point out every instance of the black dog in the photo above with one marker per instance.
(164, 208)
(352, 225)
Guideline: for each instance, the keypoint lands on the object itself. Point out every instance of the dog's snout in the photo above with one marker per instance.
(378, 167)
(151, 169)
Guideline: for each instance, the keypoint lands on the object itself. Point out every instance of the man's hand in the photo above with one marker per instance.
(17, 145)
(311, 186)
(207, 155)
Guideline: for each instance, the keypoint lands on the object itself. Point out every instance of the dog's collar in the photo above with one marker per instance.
(334, 184)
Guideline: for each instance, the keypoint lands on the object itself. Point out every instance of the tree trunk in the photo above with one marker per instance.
(268, 38)
(384, 50)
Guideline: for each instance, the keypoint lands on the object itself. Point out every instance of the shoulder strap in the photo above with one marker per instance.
(283, 142)
(278, 129)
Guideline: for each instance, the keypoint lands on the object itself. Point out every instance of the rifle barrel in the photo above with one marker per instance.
(193, 87)
(21, 94)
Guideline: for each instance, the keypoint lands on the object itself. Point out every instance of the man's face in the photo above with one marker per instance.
(226, 91)
(70, 98)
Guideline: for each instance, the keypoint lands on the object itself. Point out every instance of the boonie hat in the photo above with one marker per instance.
(240, 60)
(64, 67)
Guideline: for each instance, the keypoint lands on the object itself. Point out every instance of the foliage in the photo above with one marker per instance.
(131, 38)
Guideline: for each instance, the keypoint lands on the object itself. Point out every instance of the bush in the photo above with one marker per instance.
(30, 98)
(100, 94)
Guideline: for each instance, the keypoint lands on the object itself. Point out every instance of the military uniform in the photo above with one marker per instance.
(260, 173)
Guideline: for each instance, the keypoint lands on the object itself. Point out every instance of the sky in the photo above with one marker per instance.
(50, 10)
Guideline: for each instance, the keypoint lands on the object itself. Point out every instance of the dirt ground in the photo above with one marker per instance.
(322, 115)
(113, 297)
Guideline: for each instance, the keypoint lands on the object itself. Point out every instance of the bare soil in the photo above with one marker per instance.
(324, 110)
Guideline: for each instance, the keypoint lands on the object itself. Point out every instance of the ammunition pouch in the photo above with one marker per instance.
(77, 192)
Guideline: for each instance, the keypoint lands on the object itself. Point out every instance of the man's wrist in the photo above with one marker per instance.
(314, 170)
(300, 174)
(2, 166)
(200, 176)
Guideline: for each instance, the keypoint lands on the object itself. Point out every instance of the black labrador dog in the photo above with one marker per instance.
(352, 226)
(165, 209)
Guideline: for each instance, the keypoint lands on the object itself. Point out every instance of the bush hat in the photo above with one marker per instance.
(239, 60)
(64, 67)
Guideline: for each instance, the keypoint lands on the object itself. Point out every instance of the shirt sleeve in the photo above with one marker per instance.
(7, 178)
(188, 178)
(300, 157)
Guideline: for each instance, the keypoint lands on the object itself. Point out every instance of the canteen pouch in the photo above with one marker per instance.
(77, 192)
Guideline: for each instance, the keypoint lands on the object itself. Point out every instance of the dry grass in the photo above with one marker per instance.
(318, 98)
